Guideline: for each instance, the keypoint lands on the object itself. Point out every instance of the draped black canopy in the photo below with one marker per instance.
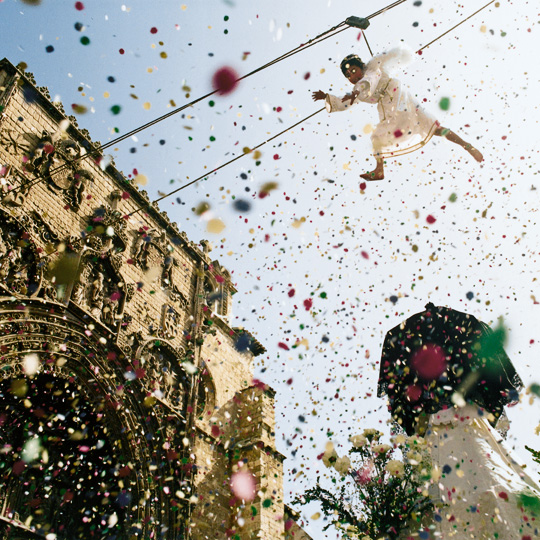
(440, 358)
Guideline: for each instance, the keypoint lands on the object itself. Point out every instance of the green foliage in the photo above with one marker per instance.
(374, 494)
(535, 453)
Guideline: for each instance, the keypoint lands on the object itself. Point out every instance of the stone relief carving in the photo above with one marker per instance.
(163, 373)
(17, 143)
(100, 289)
(13, 187)
(20, 272)
(58, 163)
(170, 322)
(147, 242)
(109, 225)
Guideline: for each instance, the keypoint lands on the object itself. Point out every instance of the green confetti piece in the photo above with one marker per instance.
(115, 109)
(85, 40)
(453, 197)
(444, 103)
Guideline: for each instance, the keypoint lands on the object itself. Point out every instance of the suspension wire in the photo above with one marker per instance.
(454, 27)
(314, 41)
(137, 210)
(367, 43)
(385, 9)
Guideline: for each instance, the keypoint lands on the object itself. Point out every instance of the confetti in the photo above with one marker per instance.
(225, 80)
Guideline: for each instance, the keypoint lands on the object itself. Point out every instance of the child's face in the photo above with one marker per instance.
(354, 74)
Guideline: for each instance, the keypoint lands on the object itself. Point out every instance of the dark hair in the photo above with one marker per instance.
(351, 60)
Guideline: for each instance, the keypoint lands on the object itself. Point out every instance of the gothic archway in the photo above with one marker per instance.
(78, 384)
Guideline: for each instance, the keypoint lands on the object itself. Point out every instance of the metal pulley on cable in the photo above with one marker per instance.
(357, 22)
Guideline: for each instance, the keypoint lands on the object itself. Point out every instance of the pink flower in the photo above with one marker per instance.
(363, 476)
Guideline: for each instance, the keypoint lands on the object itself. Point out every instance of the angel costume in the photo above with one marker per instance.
(454, 398)
(404, 126)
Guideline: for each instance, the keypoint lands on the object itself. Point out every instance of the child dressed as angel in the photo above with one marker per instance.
(404, 126)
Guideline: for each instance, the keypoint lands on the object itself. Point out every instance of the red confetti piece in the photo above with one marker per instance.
(398, 133)
(291, 293)
(429, 362)
(308, 303)
(413, 393)
(278, 109)
(283, 346)
(153, 30)
(124, 471)
(79, 6)
(216, 431)
(363, 186)
(276, 156)
(503, 495)
(225, 80)
(115, 296)
(219, 279)
(364, 254)
(430, 219)
(121, 51)
(307, 76)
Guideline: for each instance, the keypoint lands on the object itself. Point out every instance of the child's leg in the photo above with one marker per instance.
(377, 173)
(452, 137)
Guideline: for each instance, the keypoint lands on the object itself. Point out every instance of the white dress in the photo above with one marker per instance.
(481, 489)
(404, 126)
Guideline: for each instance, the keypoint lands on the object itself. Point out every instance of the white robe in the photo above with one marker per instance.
(404, 126)
(478, 492)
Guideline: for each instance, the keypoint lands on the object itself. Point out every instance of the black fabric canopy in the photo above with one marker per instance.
(442, 357)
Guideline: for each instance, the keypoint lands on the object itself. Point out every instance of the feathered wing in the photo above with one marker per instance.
(396, 58)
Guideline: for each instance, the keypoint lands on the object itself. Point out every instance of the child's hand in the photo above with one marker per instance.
(319, 94)
(350, 97)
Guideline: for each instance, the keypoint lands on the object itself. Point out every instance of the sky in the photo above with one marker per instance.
(365, 258)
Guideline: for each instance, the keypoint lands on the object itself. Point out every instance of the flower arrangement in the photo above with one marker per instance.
(376, 496)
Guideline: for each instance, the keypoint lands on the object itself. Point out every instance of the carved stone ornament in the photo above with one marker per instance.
(110, 226)
(20, 273)
(163, 375)
(17, 143)
(170, 322)
(58, 163)
(149, 248)
(100, 289)
(13, 187)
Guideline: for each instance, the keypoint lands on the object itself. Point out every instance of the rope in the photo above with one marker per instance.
(419, 51)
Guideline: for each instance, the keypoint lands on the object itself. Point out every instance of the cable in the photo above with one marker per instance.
(317, 39)
(384, 9)
(136, 211)
(314, 41)
(453, 27)
(367, 43)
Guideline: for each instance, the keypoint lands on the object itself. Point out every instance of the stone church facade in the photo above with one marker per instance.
(128, 397)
